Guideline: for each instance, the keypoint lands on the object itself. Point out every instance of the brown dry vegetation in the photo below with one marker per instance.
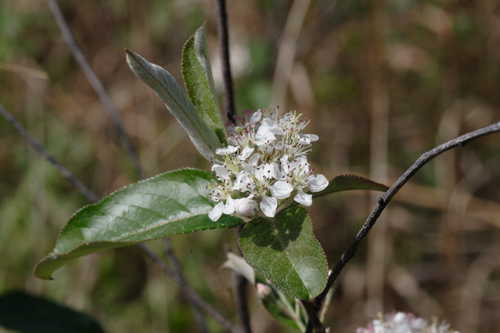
(381, 81)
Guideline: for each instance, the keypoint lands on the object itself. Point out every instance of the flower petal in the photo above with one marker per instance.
(245, 207)
(285, 165)
(266, 171)
(304, 199)
(245, 153)
(317, 183)
(226, 150)
(268, 206)
(307, 139)
(230, 206)
(264, 134)
(256, 117)
(220, 171)
(254, 160)
(243, 182)
(216, 212)
(281, 189)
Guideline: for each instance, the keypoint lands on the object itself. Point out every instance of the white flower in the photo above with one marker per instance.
(285, 165)
(301, 167)
(304, 199)
(307, 139)
(253, 160)
(266, 171)
(245, 207)
(216, 212)
(242, 182)
(281, 189)
(226, 151)
(230, 206)
(256, 117)
(264, 163)
(317, 183)
(245, 153)
(404, 323)
(268, 206)
(264, 135)
(220, 171)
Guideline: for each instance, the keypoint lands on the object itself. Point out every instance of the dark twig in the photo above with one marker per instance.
(40, 149)
(242, 301)
(195, 299)
(313, 323)
(241, 295)
(241, 283)
(109, 106)
(384, 200)
(226, 61)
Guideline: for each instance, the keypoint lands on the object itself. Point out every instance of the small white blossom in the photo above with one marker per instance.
(264, 164)
(226, 151)
(230, 206)
(246, 207)
(317, 183)
(268, 206)
(266, 171)
(256, 117)
(401, 322)
(216, 212)
(220, 172)
(245, 153)
(304, 199)
(307, 139)
(281, 189)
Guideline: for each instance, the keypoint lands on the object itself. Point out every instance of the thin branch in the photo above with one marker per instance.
(196, 300)
(384, 200)
(105, 99)
(241, 283)
(313, 322)
(40, 149)
(241, 292)
(242, 301)
(226, 61)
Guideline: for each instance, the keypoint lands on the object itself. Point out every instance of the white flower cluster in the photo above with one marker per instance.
(264, 166)
(401, 322)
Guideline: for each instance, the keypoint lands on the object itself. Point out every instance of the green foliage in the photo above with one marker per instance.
(168, 204)
(280, 307)
(199, 82)
(285, 251)
(349, 183)
(176, 101)
(26, 313)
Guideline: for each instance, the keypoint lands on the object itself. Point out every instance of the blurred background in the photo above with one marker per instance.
(381, 82)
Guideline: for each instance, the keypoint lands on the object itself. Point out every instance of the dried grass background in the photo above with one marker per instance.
(381, 81)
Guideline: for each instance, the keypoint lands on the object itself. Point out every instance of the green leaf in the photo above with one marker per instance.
(176, 101)
(168, 204)
(285, 251)
(26, 313)
(349, 183)
(280, 307)
(199, 82)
